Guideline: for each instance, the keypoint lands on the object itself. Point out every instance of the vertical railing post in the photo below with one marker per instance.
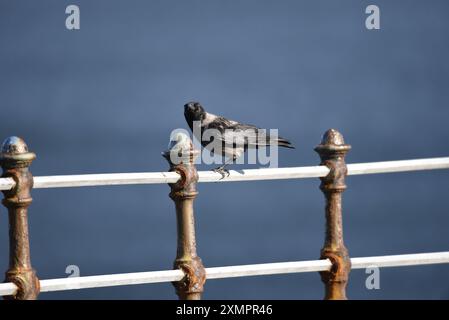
(15, 160)
(181, 158)
(332, 151)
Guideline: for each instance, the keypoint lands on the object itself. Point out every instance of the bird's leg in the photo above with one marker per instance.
(221, 169)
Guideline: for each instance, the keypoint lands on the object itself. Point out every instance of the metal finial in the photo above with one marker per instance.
(332, 144)
(14, 145)
(332, 137)
(14, 153)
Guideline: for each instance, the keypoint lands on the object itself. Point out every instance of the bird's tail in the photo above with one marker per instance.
(282, 142)
(279, 141)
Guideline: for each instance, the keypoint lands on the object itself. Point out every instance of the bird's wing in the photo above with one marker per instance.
(232, 132)
(253, 137)
(220, 123)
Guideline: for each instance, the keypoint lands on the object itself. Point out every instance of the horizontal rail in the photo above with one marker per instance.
(73, 283)
(85, 180)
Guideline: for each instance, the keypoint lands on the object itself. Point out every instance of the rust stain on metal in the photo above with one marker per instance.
(15, 160)
(183, 193)
(191, 286)
(332, 151)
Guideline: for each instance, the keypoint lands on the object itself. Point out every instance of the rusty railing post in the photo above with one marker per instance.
(332, 151)
(181, 158)
(15, 160)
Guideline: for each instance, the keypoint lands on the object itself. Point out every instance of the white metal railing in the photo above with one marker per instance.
(122, 279)
(85, 180)
(230, 271)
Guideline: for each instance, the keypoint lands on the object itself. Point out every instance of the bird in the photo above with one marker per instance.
(234, 137)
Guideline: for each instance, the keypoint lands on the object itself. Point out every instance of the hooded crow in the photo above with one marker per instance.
(228, 137)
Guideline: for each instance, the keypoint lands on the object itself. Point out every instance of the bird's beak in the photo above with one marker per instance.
(171, 144)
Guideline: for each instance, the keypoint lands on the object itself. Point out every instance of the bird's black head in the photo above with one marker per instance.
(193, 111)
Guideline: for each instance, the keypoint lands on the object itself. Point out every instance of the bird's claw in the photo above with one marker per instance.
(224, 172)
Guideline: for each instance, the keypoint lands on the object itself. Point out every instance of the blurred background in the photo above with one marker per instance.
(106, 97)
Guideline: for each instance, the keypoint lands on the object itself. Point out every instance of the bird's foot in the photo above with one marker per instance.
(221, 170)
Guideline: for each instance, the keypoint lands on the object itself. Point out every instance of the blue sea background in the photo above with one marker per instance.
(105, 98)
